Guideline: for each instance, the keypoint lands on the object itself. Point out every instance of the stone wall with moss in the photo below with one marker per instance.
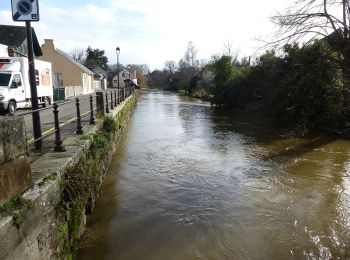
(47, 221)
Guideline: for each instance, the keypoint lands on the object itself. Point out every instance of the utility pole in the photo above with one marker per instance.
(28, 11)
(33, 89)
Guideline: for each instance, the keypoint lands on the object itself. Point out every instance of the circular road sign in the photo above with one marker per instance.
(24, 7)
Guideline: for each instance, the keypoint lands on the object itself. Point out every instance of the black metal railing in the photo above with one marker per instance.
(111, 101)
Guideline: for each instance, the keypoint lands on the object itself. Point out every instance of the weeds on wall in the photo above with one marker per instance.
(82, 182)
(13, 207)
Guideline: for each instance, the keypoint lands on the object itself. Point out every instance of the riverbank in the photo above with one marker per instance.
(259, 113)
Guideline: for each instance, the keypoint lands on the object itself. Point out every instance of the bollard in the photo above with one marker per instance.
(58, 142)
(92, 119)
(79, 130)
(107, 106)
(111, 100)
(115, 98)
(100, 104)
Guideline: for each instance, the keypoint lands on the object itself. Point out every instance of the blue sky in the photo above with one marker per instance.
(153, 31)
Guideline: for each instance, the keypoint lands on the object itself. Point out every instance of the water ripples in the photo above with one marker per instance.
(193, 183)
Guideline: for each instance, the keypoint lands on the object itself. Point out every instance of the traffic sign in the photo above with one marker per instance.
(25, 10)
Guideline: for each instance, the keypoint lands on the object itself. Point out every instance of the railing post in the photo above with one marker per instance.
(100, 104)
(107, 106)
(115, 98)
(111, 100)
(58, 142)
(92, 119)
(79, 130)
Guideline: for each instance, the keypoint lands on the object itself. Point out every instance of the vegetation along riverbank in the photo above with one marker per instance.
(301, 82)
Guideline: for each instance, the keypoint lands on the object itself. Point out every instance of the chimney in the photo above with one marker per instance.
(49, 44)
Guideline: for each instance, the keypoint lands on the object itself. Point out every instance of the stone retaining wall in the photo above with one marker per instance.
(45, 227)
(15, 173)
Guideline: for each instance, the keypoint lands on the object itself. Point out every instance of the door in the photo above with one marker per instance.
(17, 90)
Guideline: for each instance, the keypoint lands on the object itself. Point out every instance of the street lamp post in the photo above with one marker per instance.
(129, 85)
(118, 51)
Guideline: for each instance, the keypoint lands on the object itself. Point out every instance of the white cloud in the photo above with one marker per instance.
(153, 31)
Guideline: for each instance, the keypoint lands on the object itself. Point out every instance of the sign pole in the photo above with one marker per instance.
(33, 89)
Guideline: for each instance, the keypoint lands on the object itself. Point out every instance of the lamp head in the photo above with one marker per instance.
(117, 50)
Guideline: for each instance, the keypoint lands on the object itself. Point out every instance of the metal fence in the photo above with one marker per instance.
(104, 101)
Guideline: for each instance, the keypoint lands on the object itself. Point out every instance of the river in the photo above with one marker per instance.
(191, 182)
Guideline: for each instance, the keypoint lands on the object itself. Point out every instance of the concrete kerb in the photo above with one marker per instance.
(45, 195)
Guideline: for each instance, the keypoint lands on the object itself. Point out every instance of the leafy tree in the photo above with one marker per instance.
(310, 93)
(307, 20)
(158, 79)
(300, 89)
(96, 57)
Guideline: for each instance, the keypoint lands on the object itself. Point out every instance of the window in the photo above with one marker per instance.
(17, 79)
(5, 79)
(57, 80)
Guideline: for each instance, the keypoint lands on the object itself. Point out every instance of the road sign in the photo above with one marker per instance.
(25, 10)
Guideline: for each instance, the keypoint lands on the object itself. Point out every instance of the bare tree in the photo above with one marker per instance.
(78, 54)
(190, 56)
(227, 49)
(308, 20)
(170, 66)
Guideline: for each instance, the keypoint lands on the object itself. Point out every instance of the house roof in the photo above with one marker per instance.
(14, 36)
(78, 64)
(99, 71)
(111, 75)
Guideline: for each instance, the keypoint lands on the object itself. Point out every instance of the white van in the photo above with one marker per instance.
(14, 83)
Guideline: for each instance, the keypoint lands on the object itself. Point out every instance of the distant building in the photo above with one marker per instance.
(100, 78)
(69, 74)
(15, 38)
(124, 77)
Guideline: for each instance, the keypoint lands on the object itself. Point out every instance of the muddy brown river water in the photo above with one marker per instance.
(191, 182)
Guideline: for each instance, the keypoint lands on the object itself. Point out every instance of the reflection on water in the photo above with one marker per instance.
(189, 182)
